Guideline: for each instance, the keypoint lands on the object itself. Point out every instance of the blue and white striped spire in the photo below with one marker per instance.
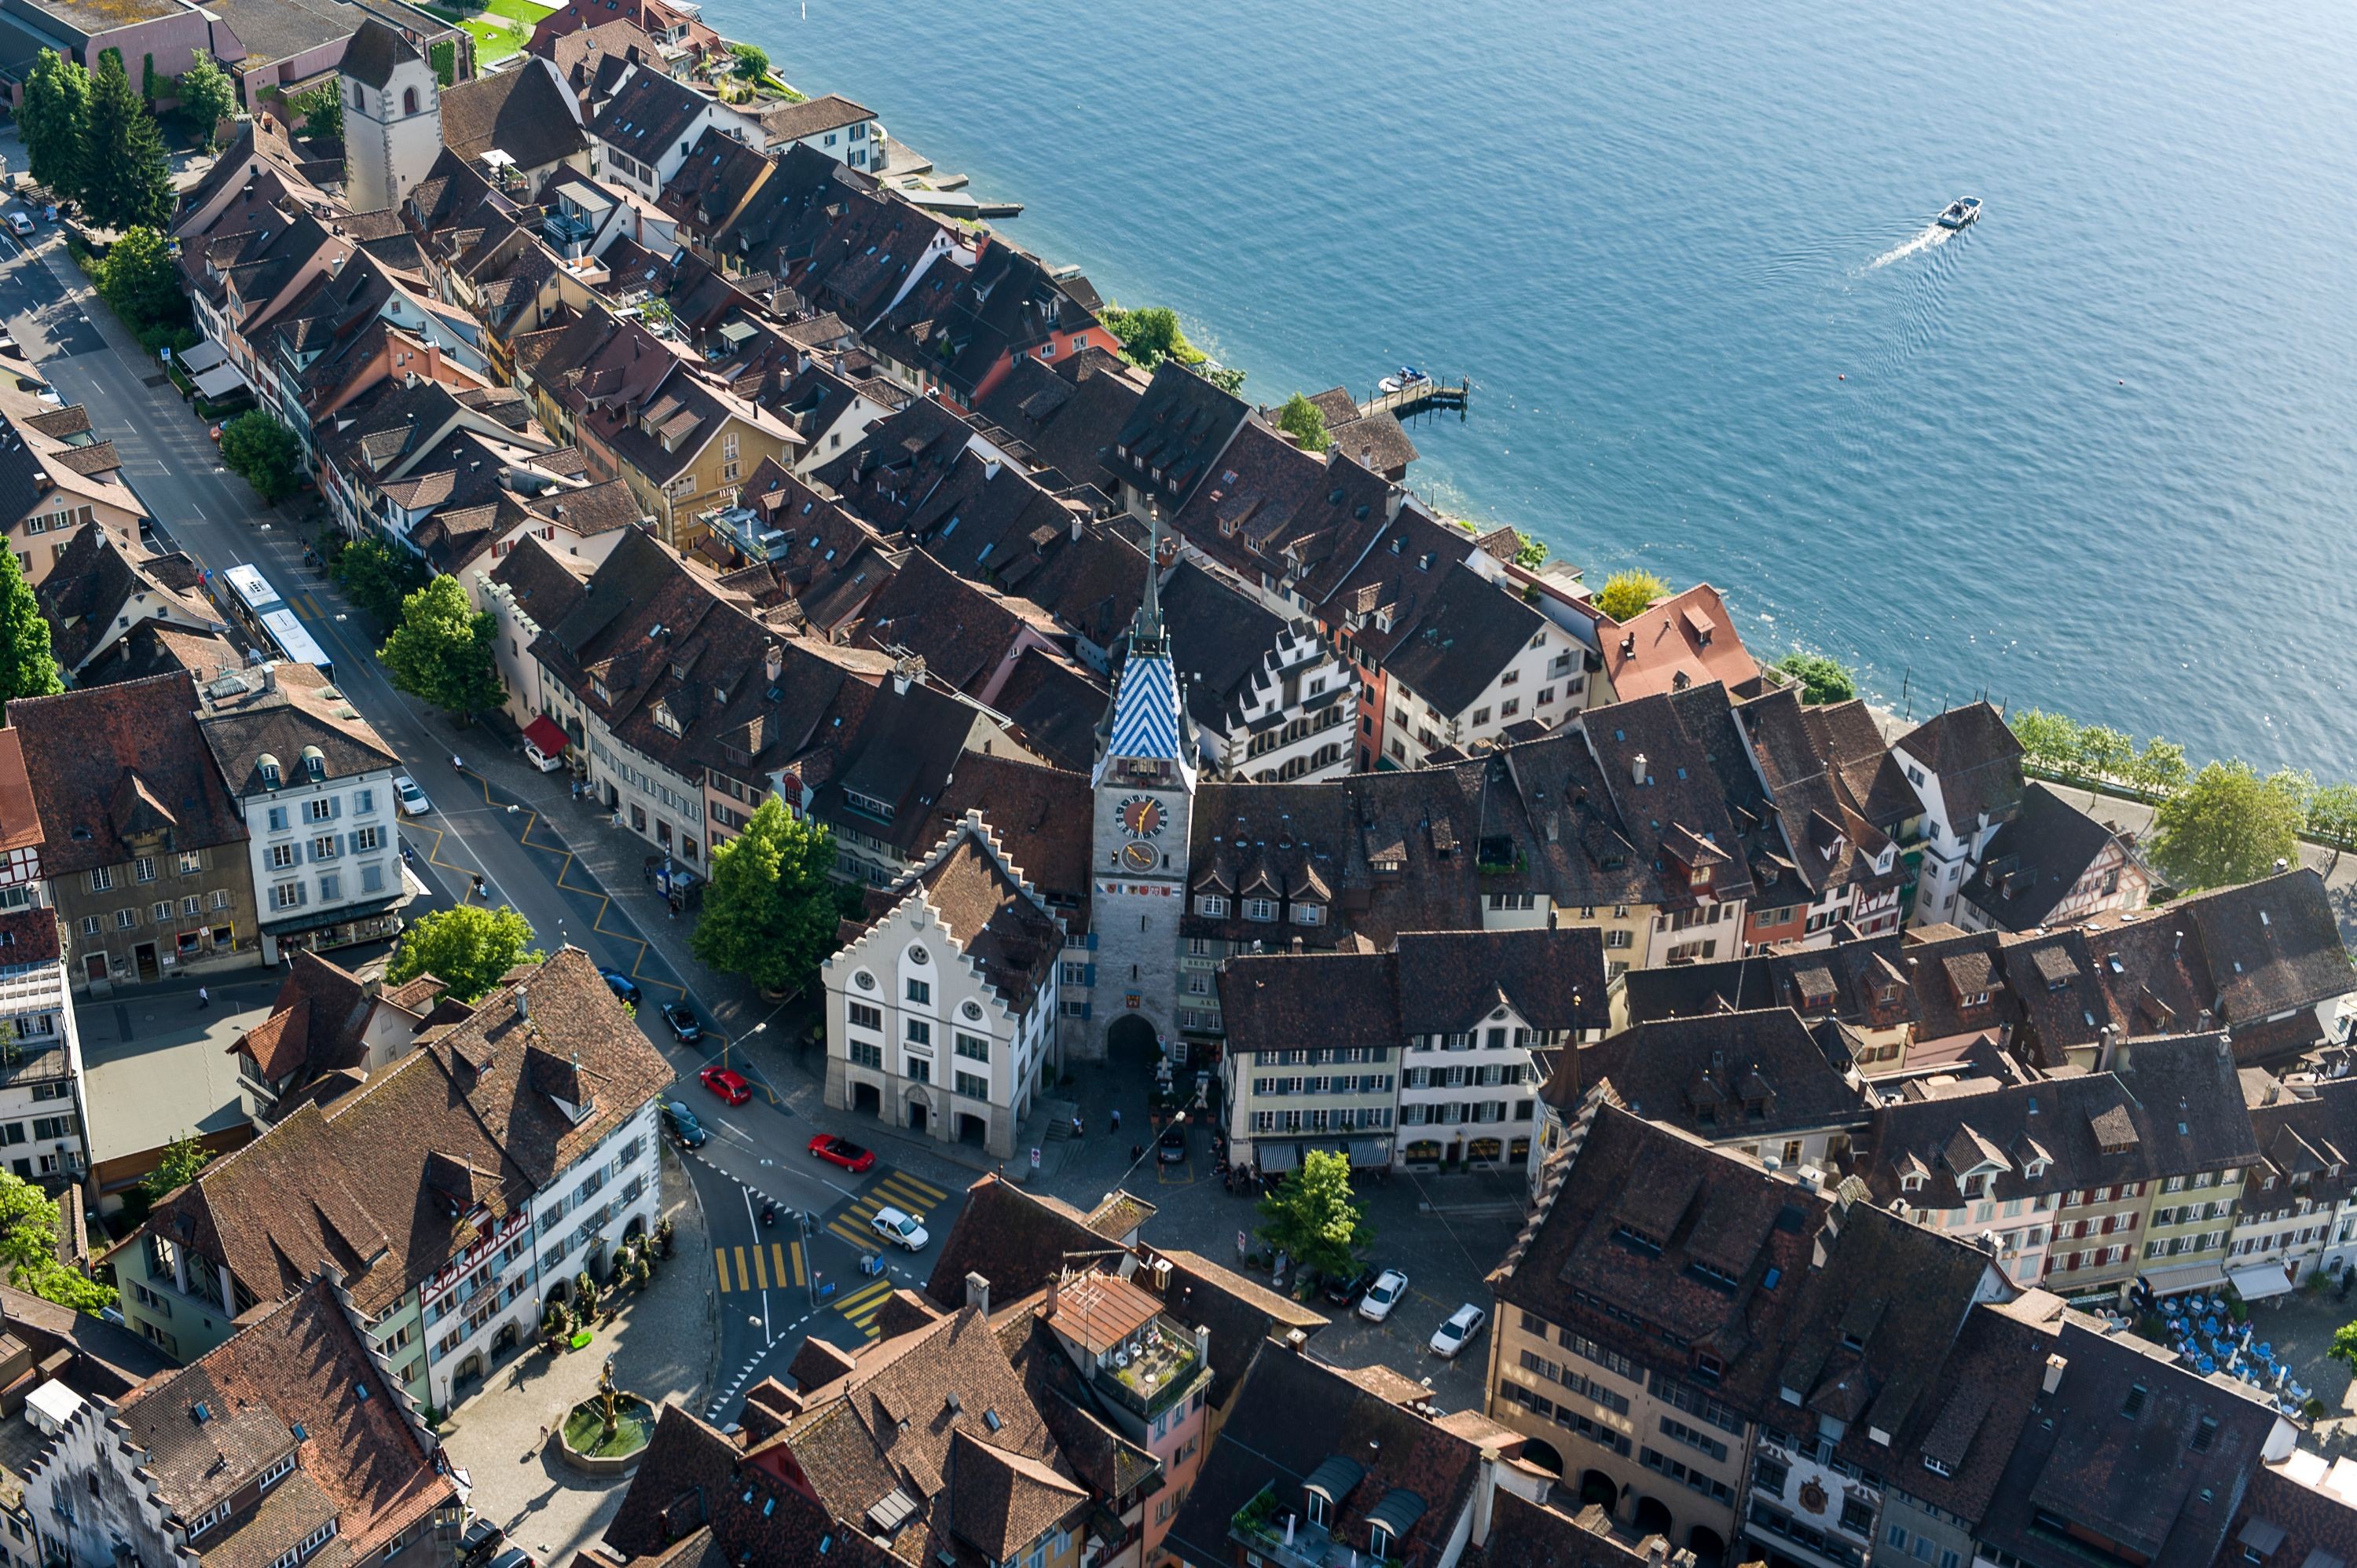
(1149, 718)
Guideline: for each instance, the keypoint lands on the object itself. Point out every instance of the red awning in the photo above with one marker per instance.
(547, 735)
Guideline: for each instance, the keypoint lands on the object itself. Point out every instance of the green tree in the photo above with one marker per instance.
(1226, 378)
(1313, 1219)
(1531, 552)
(379, 577)
(207, 96)
(2229, 825)
(466, 946)
(55, 120)
(2333, 818)
(1147, 336)
(137, 278)
(29, 1250)
(2159, 768)
(752, 61)
(183, 1158)
(444, 57)
(1300, 419)
(442, 650)
(2102, 752)
(1822, 680)
(769, 911)
(27, 667)
(265, 453)
(2049, 741)
(2344, 1345)
(1625, 595)
(322, 109)
(126, 175)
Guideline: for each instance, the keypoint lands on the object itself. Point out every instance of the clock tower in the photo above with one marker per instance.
(1145, 782)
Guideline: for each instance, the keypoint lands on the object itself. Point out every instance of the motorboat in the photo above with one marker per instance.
(1959, 212)
(1388, 384)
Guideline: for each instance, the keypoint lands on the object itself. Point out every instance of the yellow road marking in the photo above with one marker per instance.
(862, 1305)
(912, 1195)
(926, 1191)
(780, 1255)
(741, 1283)
(858, 1238)
(761, 1265)
(720, 1261)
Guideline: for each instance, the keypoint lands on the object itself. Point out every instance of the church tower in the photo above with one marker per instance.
(392, 117)
(1145, 783)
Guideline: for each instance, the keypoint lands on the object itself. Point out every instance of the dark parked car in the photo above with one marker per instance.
(1172, 1148)
(682, 1021)
(623, 986)
(680, 1122)
(479, 1539)
(1345, 1288)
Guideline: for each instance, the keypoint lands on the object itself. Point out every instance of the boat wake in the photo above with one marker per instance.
(1931, 236)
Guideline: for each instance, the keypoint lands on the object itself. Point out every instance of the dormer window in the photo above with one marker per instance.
(1211, 907)
(1379, 1540)
(1308, 914)
(1911, 1182)
(1262, 909)
(268, 768)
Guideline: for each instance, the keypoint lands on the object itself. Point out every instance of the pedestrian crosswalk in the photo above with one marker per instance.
(757, 1267)
(898, 1190)
(862, 1305)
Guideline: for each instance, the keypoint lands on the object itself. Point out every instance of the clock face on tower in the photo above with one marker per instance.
(1141, 856)
(1142, 817)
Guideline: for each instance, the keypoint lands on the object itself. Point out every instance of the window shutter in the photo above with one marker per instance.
(1088, 975)
(1093, 941)
(335, 807)
(1084, 1011)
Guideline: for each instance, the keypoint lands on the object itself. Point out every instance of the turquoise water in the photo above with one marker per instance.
(2094, 454)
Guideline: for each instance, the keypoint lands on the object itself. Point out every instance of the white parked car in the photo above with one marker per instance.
(1454, 1335)
(899, 1229)
(413, 803)
(19, 225)
(1382, 1295)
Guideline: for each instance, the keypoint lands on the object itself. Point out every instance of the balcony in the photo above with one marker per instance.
(1279, 1535)
(568, 232)
(1161, 1370)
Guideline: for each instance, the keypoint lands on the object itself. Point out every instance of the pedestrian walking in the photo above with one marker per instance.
(204, 998)
(1116, 1118)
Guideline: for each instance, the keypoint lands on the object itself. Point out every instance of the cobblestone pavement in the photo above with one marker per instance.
(662, 1348)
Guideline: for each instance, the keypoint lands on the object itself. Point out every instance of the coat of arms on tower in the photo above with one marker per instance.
(1812, 1496)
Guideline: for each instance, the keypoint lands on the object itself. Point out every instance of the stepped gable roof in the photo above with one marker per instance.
(1673, 809)
(1014, 1240)
(2052, 977)
(1003, 928)
(1471, 629)
(2035, 860)
(293, 1381)
(1179, 426)
(2194, 1118)
(1280, 1001)
(1064, 414)
(1860, 981)
(1294, 1415)
(1687, 1252)
(1242, 1316)
(1031, 808)
(1050, 702)
(2125, 1427)
(888, 473)
(2271, 945)
(541, 584)
(1686, 640)
(1976, 758)
(526, 113)
(2085, 1128)
(1552, 978)
(958, 324)
(1731, 1075)
(1879, 1322)
(374, 52)
(106, 761)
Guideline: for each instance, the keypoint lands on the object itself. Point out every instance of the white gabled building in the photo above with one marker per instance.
(1965, 767)
(941, 1016)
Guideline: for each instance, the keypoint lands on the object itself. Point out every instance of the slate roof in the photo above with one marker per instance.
(1180, 426)
(1732, 1075)
(1292, 1416)
(110, 762)
(374, 52)
(525, 113)
(301, 1366)
(1470, 630)
(1976, 759)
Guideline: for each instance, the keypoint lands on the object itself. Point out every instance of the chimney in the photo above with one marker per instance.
(523, 1005)
(1657, 1551)
(977, 1293)
(2201, 1021)
(1637, 767)
(1485, 1494)
(1296, 1341)
(1055, 1295)
(773, 663)
(2107, 1046)
(1297, 944)
(990, 470)
(1203, 1344)
(2054, 1366)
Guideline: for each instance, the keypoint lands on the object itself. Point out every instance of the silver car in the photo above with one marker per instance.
(1382, 1295)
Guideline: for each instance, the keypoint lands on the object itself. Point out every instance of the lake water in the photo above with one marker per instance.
(2094, 453)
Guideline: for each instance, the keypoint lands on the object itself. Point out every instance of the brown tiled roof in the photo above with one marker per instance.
(1527, 1535)
(1014, 1240)
(1731, 1075)
(1240, 1314)
(1976, 758)
(300, 1366)
(85, 747)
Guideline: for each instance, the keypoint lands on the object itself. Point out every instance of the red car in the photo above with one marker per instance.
(842, 1152)
(728, 1084)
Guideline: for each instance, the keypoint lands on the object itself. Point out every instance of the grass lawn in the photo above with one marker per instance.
(490, 25)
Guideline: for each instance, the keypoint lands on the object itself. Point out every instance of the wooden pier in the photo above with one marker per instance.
(1424, 397)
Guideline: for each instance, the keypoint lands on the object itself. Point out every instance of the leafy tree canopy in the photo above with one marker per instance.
(207, 96)
(1300, 419)
(183, 1158)
(29, 1250)
(752, 61)
(1313, 1218)
(769, 911)
(27, 667)
(1531, 552)
(379, 577)
(126, 175)
(467, 947)
(322, 109)
(2229, 825)
(55, 121)
(1822, 680)
(441, 652)
(1625, 595)
(265, 453)
(2333, 817)
(137, 278)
